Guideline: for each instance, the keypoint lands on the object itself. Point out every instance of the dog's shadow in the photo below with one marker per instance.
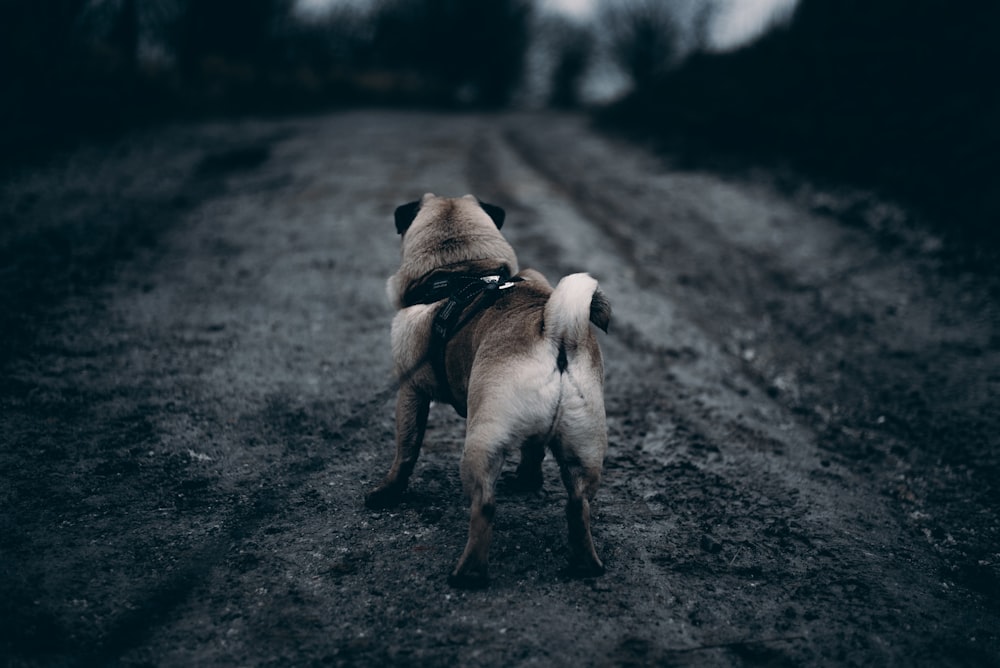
(436, 490)
(530, 525)
(436, 494)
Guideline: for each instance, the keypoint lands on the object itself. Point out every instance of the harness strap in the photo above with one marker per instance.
(473, 297)
(440, 284)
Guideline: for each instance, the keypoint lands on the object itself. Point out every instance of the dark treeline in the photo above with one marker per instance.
(897, 94)
(902, 95)
(70, 66)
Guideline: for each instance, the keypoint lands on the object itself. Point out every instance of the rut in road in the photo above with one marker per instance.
(706, 395)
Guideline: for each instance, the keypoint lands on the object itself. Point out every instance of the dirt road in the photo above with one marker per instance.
(801, 394)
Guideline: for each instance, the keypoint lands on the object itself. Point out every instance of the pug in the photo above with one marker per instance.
(516, 358)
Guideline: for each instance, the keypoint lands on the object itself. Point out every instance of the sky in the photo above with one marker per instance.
(742, 20)
(737, 22)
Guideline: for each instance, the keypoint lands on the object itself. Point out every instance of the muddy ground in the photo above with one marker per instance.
(195, 396)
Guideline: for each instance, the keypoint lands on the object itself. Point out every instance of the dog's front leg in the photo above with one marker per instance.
(412, 408)
(529, 470)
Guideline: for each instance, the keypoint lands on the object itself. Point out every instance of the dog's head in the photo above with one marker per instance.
(406, 214)
(440, 233)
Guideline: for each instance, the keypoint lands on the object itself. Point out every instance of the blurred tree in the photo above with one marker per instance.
(573, 47)
(37, 42)
(239, 32)
(124, 37)
(473, 51)
(905, 93)
(341, 38)
(40, 67)
(898, 94)
(645, 37)
(71, 66)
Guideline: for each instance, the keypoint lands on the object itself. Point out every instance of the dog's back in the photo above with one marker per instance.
(537, 383)
(538, 367)
(520, 361)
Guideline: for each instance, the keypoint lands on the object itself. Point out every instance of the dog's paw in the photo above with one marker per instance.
(386, 496)
(469, 580)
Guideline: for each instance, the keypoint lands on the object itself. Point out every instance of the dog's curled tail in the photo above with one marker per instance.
(576, 302)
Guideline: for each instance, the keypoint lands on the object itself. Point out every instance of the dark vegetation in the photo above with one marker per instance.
(70, 66)
(573, 46)
(900, 95)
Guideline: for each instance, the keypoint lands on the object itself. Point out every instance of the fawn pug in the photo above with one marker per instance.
(515, 357)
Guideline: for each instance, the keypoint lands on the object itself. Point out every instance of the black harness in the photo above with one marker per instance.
(467, 295)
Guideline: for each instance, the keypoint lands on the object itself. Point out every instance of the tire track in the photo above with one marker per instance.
(159, 602)
(232, 404)
(764, 434)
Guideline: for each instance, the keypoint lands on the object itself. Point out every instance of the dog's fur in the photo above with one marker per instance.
(527, 371)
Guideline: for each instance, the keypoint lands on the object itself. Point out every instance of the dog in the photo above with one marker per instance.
(513, 356)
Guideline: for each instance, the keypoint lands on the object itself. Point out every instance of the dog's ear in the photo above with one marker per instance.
(405, 214)
(494, 212)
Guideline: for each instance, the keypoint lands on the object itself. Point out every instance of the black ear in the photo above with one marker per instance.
(494, 212)
(405, 214)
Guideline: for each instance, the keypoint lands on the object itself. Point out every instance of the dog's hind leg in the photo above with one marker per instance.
(412, 409)
(581, 473)
(482, 461)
